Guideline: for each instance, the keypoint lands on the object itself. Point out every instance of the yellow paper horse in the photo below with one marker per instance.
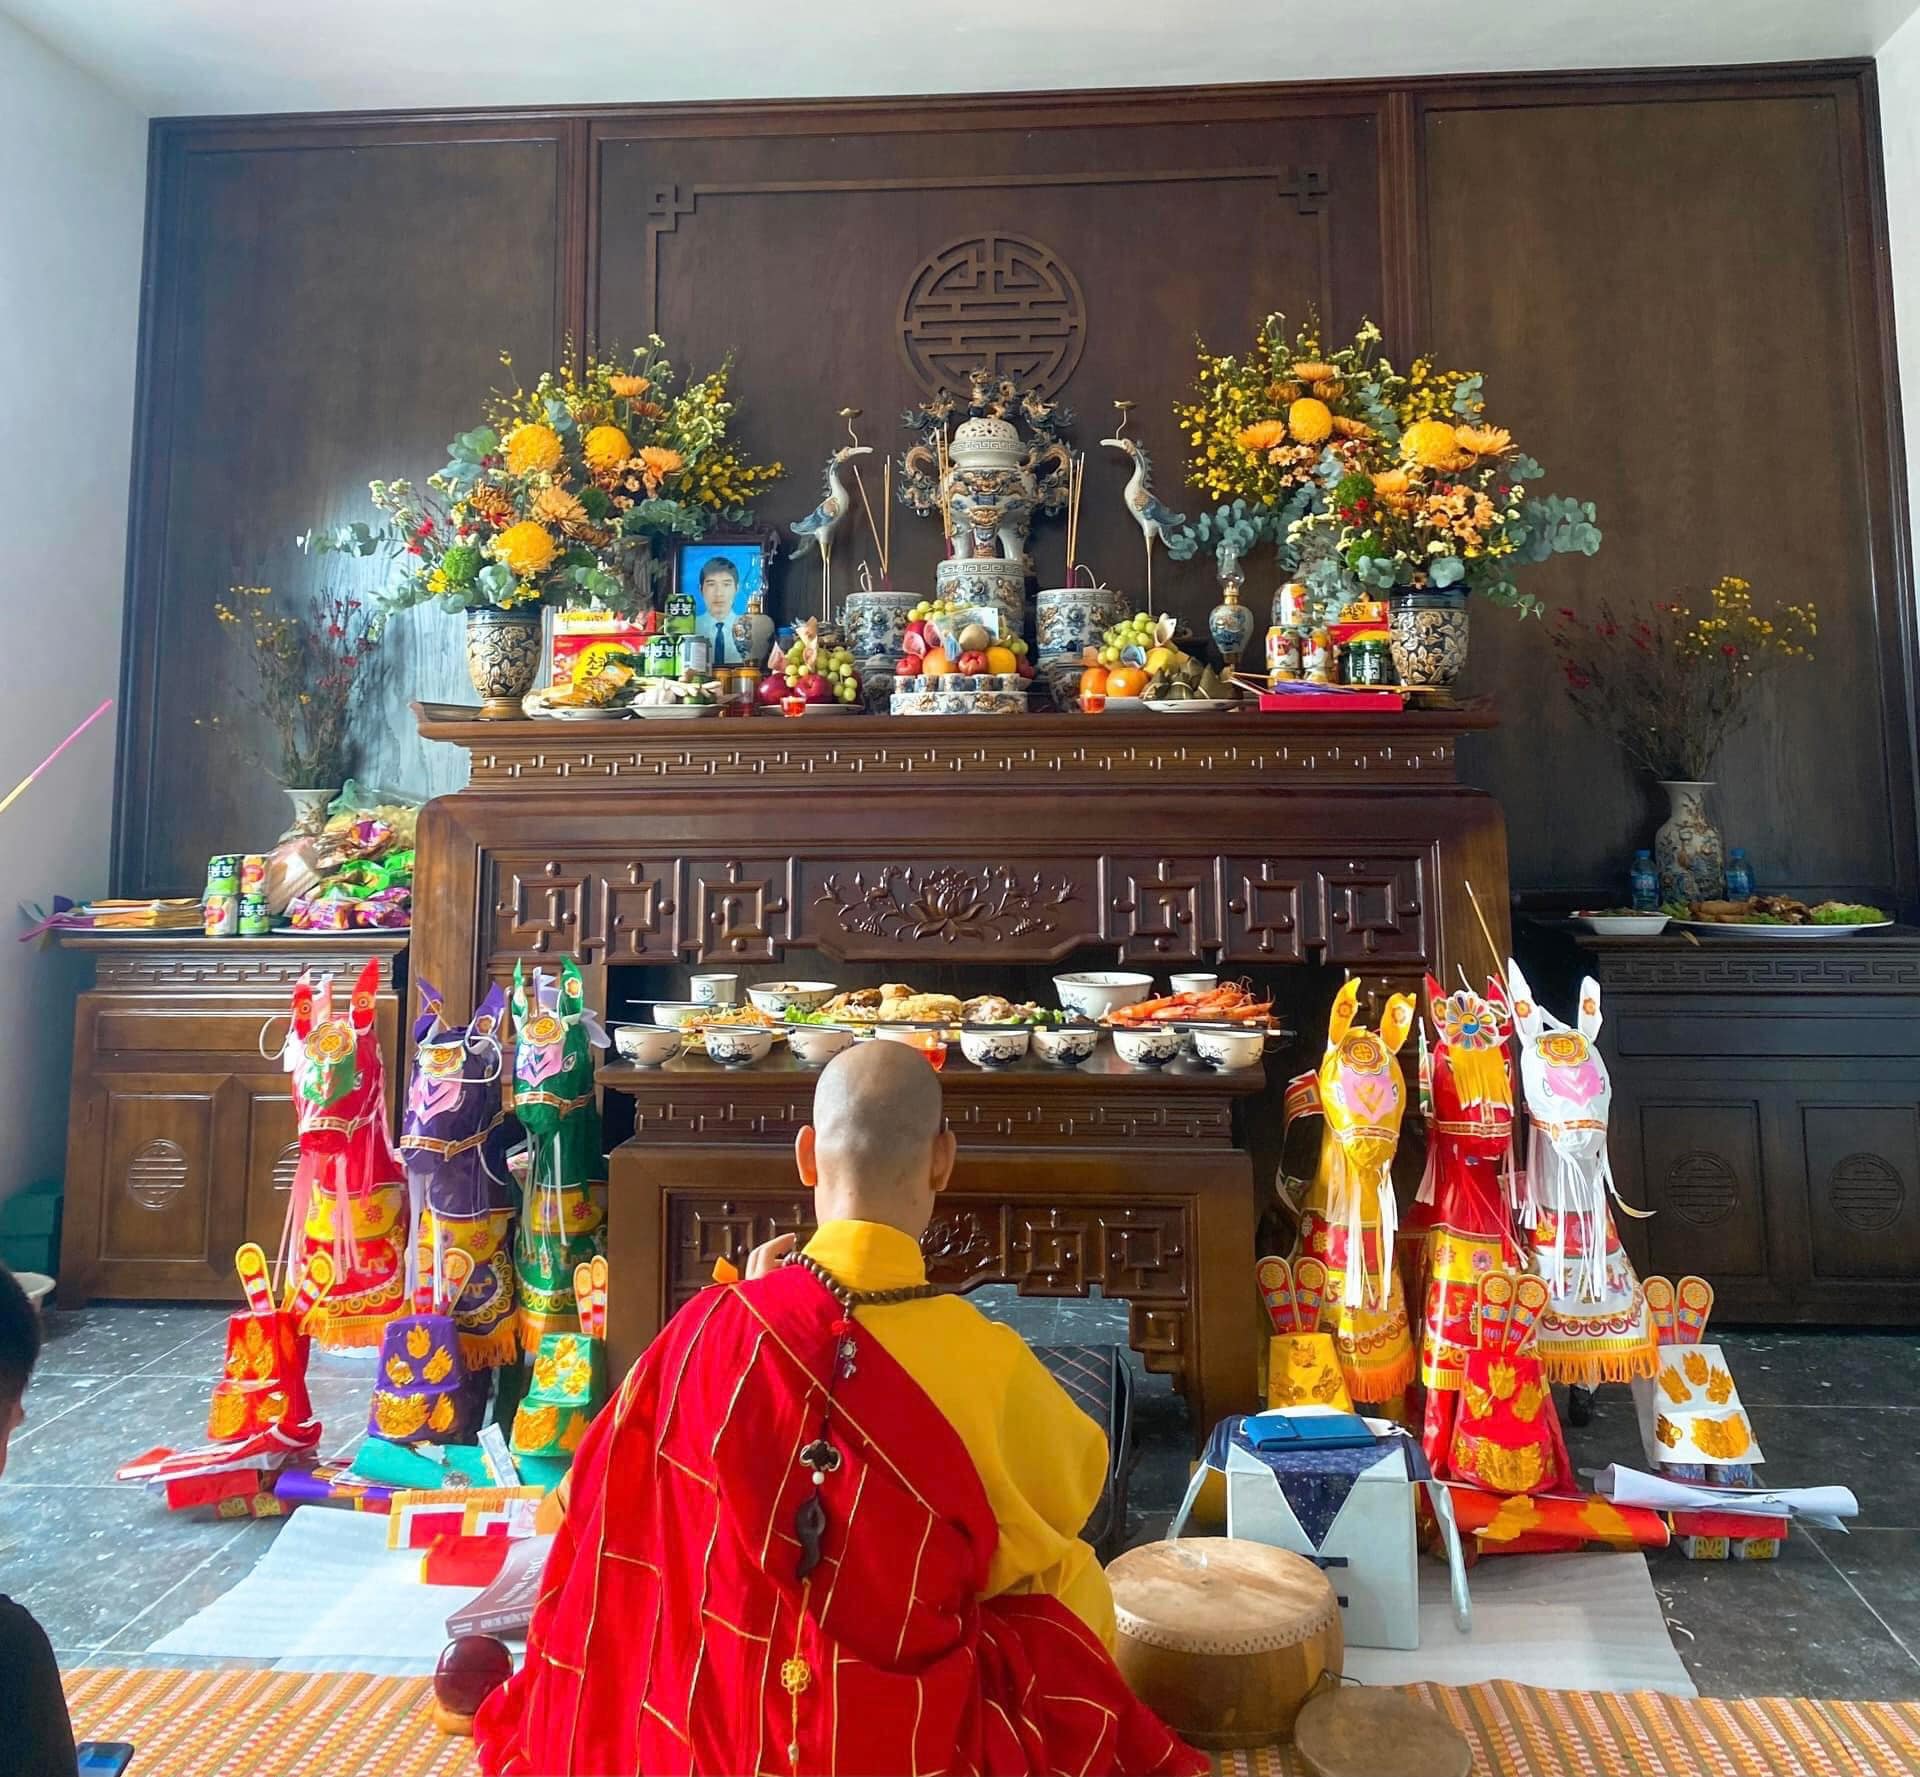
(1349, 1216)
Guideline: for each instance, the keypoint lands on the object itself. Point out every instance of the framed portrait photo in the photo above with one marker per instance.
(720, 574)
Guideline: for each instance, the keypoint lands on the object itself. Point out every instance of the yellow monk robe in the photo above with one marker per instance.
(1042, 1462)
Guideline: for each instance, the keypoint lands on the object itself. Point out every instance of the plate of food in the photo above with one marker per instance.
(1781, 916)
(1187, 706)
(1622, 922)
(734, 1018)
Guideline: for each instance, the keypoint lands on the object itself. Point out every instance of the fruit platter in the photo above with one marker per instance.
(960, 660)
(813, 668)
(1140, 662)
(617, 687)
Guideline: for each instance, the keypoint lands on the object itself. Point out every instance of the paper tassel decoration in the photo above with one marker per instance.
(1507, 1436)
(569, 1384)
(1303, 1369)
(422, 1392)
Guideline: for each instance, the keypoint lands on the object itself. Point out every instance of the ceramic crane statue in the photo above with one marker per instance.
(819, 525)
(1156, 521)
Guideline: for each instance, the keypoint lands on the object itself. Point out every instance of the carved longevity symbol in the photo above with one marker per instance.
(996, 299)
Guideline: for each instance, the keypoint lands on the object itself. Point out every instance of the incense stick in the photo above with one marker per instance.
(873, 529)
(886, 519)
(1500, 973)
(8, 801)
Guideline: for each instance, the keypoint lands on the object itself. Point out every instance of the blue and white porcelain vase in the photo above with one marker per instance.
(1230, 624)
(1687, 846)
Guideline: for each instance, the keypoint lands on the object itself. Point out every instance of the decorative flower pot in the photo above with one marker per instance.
(309, 810)
(1687, 846)
(1429, 631)
(503, 656)
(1073, 618)
(876, 624)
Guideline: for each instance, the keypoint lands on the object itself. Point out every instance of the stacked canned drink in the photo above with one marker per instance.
(235, 904)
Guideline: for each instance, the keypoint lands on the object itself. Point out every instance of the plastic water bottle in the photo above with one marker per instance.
(1739, 877)
(1645, 882)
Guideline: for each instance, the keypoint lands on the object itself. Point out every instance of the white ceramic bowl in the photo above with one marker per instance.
(1229, 1049)
(647, 1045)
(1064, 1047)
(1147, 1048)
(674, 1013)
(1097, 992)
(1193, 983)
(737, 1045)
(776, 997)
(1624, 925)
(814, 1045)
(995, 1048)
(36, 1286)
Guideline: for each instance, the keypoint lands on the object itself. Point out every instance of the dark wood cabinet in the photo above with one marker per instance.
(1767, 1109)
(180, 1134)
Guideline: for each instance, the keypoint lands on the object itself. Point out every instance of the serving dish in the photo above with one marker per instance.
(1182, 706)
(673, 712)
(1228, 1050)
(814, 1045)
(777, 997)
(736, 1045)
(674, 1013)
(1151, 1047)
(1754, 930)
(1624, 925)
(1094, 993)
(647, 1045)
(1064, 1046)
(999, 1046)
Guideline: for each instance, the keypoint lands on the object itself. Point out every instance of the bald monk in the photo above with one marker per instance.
(830, 1521)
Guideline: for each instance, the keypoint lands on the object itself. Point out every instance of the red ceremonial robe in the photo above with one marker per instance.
(672, 1636)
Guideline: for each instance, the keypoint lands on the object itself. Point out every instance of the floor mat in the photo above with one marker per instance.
(283, 1724)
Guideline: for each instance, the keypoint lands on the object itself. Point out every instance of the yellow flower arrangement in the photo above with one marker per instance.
(1484, 441)
(525, 549)
(533, 450)
(571, 491)
(1310, 420)
(1262, 435)
(1432, 445)
(606, 448)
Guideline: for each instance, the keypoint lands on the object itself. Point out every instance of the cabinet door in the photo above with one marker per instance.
(1862, 1170)
(273, 1151)
(1699, 1171)
(171, 1184)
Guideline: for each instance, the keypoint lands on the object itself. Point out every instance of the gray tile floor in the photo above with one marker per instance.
(108, 1571)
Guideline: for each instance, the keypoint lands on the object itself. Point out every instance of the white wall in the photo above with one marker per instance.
(1899, 73)
(72, 196)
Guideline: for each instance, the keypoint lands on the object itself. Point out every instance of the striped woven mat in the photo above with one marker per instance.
(344, 1724)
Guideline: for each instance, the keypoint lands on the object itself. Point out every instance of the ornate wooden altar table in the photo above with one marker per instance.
(974, 853)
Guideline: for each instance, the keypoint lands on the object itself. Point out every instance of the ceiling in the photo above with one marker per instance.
(207, 56)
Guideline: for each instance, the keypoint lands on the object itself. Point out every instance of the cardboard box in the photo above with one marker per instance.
(1368, 1549)
(581, 640)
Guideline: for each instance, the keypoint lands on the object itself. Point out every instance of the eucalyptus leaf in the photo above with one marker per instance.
(1446, 570)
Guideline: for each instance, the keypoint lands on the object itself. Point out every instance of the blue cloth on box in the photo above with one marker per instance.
(1314, 1480)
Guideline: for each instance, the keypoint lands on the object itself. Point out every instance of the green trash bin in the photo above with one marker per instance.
(30, 1228)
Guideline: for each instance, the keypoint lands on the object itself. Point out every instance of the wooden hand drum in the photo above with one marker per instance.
(1357, 1732)
(1224, 1640)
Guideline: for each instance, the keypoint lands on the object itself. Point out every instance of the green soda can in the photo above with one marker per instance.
(223, 873)
(255, 920)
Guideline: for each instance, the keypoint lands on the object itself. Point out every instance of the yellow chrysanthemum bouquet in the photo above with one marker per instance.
(1437, 499)
(563, 494)
(1368, 480)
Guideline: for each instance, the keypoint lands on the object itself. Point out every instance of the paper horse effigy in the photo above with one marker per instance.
(1506, 1436)
(1596, 1328)
(349, 1197)
(554, 1039)
(1462, 1198)
(569, 1385)
(1303, 1369)
(261, 1415)
(1348, 1217)
(454, 1137)
(422, 1390)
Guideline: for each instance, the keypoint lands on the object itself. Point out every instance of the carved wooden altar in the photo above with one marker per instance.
(852, 847)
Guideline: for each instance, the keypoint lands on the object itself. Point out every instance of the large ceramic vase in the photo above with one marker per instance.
(309, 810)
(503, 655)
(1429, 636)
(1687, 848)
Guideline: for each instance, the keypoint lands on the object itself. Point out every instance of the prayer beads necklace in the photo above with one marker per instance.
(819, 1457)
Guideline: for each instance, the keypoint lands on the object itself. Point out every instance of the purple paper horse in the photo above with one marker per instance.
(455, 1134)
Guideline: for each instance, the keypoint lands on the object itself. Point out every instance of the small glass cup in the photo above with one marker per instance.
(792, 706)
(1092, 702)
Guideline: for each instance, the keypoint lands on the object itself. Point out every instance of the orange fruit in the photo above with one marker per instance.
(1093, 682)
(1126, 681)
(1002, 660)
(936, 663)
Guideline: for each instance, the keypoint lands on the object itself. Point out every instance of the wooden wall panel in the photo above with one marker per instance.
(1675, 281)
(325, 306)
(1673, 332)
(798, 250)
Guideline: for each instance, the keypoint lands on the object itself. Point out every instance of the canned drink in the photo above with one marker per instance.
(255, 921)
(223, 873)
(1283, 653)
(1316, 658)
(658, 661)
(693, 655)
(1290, 606)
(253, 873)
(220, 916)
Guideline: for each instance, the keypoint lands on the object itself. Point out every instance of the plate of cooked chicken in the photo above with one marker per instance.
(1781, 916)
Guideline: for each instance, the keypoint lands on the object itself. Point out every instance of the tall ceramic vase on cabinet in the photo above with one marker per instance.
(1687, 846)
